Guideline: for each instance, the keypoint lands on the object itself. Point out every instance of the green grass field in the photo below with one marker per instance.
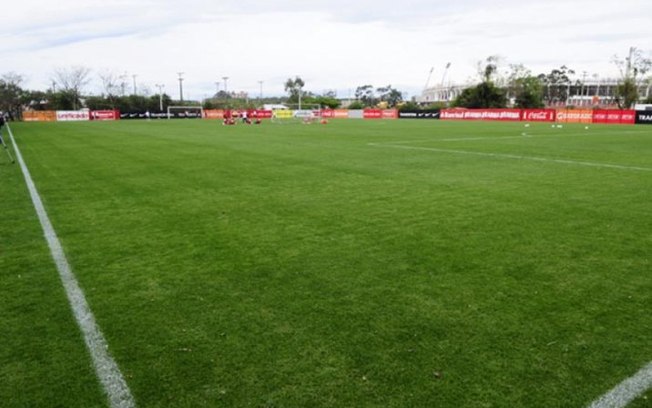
(357, 264)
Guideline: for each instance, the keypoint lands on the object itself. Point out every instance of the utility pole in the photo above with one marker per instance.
(160, 96)
(180, 86)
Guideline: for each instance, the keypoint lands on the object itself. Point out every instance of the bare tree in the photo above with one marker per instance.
(488, 69)
(632, 68)
(71, 82)
(11, 93)
(110, 85)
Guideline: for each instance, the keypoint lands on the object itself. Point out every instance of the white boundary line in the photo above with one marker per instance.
(106, 368)
(514, 156)
(627, 391)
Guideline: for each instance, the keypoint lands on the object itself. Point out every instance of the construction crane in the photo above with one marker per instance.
(428, 80)
(443, 78)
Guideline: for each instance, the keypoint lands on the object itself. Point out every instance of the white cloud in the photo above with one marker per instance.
(331, 44)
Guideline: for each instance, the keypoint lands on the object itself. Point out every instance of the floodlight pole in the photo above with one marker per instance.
(225, 78)
(134, 78)
(180, 86)
(160, 96)
(261, 89)
(217, 87)
(123, 83)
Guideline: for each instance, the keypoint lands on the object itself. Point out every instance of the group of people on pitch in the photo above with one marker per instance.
(230, 118)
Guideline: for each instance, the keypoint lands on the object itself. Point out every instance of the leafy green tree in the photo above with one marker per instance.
(556, 84)
(409, 106)
(35, 100)
(366, 95)
(486, 94)
(390, 95)
(356, 105)
(64, 100)
(483, 95)
(528, 93)
(11, 94)
(294, 88)
(99, 103)
(328, 101)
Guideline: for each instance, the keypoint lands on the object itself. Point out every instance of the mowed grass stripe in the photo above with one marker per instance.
(106, 368)
(296, 266)
(517, 157)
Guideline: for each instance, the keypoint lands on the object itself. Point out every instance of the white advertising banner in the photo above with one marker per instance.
(73, 115)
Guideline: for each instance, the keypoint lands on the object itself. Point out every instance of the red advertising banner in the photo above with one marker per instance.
(390, 113)
(575, 116)
(372, 113)
(481, 114)
(328, 113)
(251, 113)
(262, 114)
(614, 116)
(539, 115)
(105, 115)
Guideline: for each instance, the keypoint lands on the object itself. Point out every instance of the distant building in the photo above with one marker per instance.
(595, 92)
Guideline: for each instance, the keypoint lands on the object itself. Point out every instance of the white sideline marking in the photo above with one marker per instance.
(106, 368)
(513, 156)
(461, 139)
(627, 391)
(456, 139)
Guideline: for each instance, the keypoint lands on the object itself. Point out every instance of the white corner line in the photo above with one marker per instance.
(627, 391)
(514, 156)
(106, 368)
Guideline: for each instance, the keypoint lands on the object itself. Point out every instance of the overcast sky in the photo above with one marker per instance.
(332, 44)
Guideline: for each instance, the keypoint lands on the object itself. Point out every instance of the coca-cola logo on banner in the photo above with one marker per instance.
(539, 115)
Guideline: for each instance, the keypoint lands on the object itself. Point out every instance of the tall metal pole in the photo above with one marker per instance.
(180, 86)
(225, 78)
(123, 83)
(261, 89)
(160, 96)
(134, 78)
(217, 89)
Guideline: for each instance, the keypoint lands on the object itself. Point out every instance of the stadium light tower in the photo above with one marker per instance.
(225, 78)
(160, 96)
(134, 78)
(180, 86)
(261, 89)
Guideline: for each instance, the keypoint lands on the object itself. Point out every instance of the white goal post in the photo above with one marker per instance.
(185, 112)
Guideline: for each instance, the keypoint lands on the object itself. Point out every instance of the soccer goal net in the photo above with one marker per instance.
(185, 112)
(295, 113)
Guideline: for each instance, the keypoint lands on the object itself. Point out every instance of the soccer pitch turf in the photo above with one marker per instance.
(357, 264)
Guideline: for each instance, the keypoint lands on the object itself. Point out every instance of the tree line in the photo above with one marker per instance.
(518, 87)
